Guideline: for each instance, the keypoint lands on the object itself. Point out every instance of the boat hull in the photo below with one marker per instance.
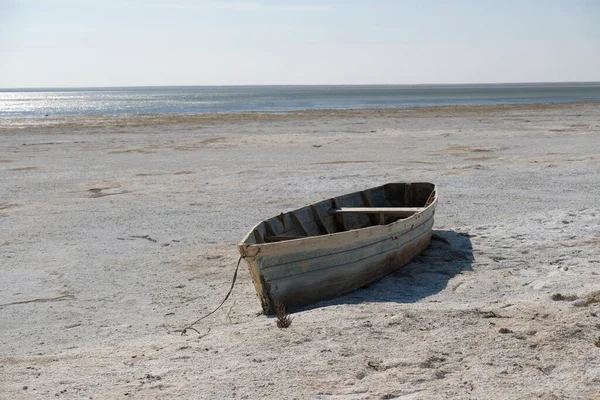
(301, 272)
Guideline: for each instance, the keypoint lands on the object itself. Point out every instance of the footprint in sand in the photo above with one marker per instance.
(5, 205)
(106, 189)
(23, 169)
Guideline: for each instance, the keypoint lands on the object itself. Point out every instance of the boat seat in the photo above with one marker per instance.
(382, 211)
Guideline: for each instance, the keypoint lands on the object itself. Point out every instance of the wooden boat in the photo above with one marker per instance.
(332, 247)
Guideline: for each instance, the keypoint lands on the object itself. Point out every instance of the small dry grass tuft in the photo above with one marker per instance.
(283, 318)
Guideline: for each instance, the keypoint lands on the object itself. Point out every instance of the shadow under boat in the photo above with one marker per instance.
(449, 254)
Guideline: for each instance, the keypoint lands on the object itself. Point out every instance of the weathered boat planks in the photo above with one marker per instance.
(337, 245)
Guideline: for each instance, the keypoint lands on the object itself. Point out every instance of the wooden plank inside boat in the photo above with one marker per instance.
(270, 239)
(377, 210)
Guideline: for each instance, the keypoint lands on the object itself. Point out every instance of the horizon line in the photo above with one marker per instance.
(49, 88)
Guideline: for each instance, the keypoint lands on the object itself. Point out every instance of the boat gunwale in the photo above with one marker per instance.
(353, 249)
(373, 228)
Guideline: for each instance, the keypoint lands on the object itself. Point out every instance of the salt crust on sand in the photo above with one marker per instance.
(117, 232)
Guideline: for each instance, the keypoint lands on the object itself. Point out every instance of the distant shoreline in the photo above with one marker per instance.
(214, 118)
(244, 99)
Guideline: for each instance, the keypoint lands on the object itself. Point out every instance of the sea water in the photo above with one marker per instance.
(37, 103)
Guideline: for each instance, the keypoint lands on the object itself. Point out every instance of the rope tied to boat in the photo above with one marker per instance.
(190, 327)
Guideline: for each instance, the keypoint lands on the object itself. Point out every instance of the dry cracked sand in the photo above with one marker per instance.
(116, 232)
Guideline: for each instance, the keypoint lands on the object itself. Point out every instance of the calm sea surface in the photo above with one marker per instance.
(35, 103)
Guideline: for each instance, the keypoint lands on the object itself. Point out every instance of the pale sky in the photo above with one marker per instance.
(84, 43)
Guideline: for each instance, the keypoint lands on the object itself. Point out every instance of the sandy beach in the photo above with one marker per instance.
(116, 232)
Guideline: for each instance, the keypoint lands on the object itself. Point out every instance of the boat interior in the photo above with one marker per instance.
(377, 206)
